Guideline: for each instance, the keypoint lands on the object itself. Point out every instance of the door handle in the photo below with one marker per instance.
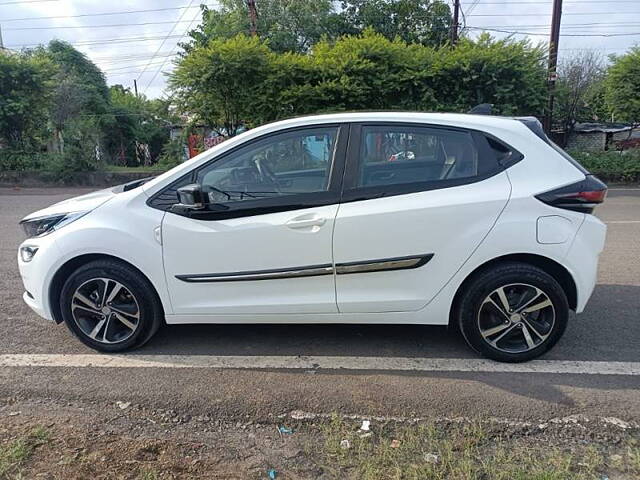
(302, 222)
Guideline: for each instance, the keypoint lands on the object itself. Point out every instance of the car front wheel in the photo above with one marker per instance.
(110, 306)
(513, 312)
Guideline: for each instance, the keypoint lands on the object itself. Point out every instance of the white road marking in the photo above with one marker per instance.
(315, 362)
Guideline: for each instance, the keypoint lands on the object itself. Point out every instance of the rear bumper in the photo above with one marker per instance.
(583, 256)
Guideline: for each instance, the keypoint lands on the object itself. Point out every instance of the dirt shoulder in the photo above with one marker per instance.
(46, 439)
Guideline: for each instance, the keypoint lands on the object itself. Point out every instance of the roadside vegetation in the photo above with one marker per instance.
(58, 114)
(468, 450)
(570, 448)
(612, 166)
(17, 451)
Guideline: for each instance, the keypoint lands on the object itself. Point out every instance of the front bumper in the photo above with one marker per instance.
(36, 275)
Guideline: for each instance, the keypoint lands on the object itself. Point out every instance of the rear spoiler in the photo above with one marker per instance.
(533, 124)
(482, 109)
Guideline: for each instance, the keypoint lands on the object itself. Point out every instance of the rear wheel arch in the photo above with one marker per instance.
(63, 273)
(553, 268)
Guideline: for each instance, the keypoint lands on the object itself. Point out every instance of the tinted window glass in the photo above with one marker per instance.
(395, 155)
(284, 164)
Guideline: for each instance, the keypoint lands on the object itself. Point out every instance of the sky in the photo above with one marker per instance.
(140, 44)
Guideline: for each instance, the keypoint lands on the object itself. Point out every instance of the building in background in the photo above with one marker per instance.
(601, 136)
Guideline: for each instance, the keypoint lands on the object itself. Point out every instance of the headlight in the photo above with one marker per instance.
(41, 226)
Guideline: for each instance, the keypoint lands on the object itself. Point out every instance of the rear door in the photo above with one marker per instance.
(417, 200)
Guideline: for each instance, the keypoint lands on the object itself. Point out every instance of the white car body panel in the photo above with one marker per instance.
(463, 227)
(418, 223)
(264, 242)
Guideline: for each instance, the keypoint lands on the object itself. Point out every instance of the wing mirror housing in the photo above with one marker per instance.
(192, 197)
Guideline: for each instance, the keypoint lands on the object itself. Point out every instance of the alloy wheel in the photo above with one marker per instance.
(105, 310)
(516, 318)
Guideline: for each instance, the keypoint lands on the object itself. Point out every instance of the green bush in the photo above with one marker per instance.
(21, 160)
(172, 154)
(612, 166)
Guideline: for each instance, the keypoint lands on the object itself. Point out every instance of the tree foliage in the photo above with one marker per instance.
(54, 99)
(579, 89)
(25, 91)
(427, 22)
(240, 81)
(622, 87)
(288, 25)
(220, 83)
(297, 25)
(135, 121)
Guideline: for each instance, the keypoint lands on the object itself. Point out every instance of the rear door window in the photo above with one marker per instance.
(395, 159)
(396, 155)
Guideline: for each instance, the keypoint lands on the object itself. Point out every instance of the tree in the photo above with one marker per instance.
(622, 87)
(288, 25)
(221, 83)
(415, 21)
(507, 73)
(80, 90)
(136, 126)
(297, 25)
(240, 82)
(578, 89)
(24, 96)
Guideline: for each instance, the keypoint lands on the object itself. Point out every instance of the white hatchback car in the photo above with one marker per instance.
(396, 218)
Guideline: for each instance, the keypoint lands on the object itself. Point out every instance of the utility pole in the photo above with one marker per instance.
(454, 24)
(253, 17)
(554, 40)
(135, 86)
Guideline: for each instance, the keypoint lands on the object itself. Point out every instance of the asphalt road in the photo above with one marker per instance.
(608, 331)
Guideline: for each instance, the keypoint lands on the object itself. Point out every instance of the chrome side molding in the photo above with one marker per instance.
(397, 263)
(365, 266)
(310, 271)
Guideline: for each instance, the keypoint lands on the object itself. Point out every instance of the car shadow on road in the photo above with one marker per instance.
(607, 331)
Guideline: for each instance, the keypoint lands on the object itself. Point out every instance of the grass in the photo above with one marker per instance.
(465, 451)
(148, 475)
(15, 453)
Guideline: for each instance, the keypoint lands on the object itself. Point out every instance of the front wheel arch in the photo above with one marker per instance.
(549, 266)
(63, 273)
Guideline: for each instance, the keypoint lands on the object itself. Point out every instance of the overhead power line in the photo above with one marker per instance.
(563, 34)
(569, 25)
(165, 61)
(99, 14)
(162, 44)
(110, 25)
(508, 2)
(27, 1)
(546, 14)
(102, 41)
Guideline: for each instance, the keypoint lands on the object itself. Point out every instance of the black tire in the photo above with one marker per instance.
(478, 312)
(138, 292)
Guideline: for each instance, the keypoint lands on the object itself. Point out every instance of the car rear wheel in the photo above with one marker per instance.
(110, 306)
(513, 312)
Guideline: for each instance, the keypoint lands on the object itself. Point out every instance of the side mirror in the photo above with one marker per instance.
(192, 197)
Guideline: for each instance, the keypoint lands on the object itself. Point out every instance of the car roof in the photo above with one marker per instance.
(460, 119)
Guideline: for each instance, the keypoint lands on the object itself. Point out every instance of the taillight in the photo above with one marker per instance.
(581, 196)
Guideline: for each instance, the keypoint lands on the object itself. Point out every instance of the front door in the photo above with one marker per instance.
(263, 245)
(417, 201)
